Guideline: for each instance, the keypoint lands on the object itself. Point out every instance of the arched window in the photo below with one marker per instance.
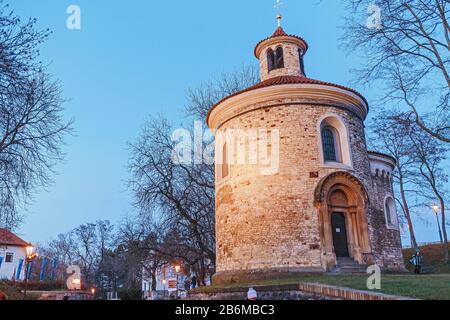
(390, 212)
(334, 144)
(224, 166)
(270, 60)
(302, 62)
(279, 59)
(329, 144)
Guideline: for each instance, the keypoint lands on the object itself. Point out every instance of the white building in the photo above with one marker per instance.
(166, 282)
(12, 255)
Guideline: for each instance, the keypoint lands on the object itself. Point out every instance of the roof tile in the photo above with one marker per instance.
(9, 238)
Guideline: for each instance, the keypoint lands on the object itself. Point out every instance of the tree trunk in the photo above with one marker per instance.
(202, 273)
(153, 280)
(444, 230)
(407, 214)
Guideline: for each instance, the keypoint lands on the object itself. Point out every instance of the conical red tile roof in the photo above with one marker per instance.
(279, 32)
(283, 80)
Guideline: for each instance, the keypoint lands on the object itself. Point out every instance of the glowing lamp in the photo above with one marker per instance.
(435, 208)
(29, 250)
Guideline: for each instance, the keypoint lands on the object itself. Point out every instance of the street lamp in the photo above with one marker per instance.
(29, 258)
(435, 208)
(177, 270)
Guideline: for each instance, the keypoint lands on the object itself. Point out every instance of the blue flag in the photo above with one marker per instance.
(43, 266)
(19, 269)
(53, 269)
(1, 260)
(30, 266)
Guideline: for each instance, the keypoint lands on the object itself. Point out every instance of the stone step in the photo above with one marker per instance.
(359, 269)
(349, 271)
(348, 265)
(351, 266)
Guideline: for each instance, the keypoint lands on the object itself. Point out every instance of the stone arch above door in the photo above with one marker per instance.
(345, 179)
(342, 193)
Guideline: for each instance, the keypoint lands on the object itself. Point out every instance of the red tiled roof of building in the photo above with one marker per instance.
(282, 80)
(10, 239)
(279, 32)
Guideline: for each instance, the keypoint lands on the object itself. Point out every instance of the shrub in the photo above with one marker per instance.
(10, 292)
(130, 294)
(38, 286)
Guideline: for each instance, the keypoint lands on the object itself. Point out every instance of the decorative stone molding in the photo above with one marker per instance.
(343, 144)
(295, 93)
(325, 184)
(355, 211)
(381, 165)
(297, 41)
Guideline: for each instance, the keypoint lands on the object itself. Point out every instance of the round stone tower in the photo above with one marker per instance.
(293, 174)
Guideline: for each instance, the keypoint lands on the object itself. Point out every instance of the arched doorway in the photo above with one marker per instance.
(342, 202)
(340, 240)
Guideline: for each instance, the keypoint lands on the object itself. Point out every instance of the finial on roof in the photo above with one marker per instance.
(277, 6)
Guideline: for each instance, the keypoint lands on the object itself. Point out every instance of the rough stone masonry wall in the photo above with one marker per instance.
(302, 291)
(386, 242)
(270, 222)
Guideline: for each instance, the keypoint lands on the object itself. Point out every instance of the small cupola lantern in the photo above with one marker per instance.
(281, 54)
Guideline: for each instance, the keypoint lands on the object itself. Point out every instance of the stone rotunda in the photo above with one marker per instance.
(322, 202)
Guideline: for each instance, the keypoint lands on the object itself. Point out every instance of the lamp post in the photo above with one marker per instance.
(177, 270)
(435, 208)
(29, 258)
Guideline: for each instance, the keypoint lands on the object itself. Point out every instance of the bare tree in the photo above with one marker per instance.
(202, 98)
(430, 154)
(61, 248)
(85, 246)
(142, 240)
(181, 196)
(392, 139)
(32, 128)
(409, 52)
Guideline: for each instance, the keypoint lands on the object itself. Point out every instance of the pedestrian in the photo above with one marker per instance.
(252, 295)
(417, 261)
(194, 282)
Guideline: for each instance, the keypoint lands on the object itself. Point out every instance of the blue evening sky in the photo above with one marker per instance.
(133, 59)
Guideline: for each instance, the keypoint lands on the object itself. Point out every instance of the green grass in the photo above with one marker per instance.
(426, 287)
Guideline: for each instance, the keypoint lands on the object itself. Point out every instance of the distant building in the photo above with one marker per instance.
(166, 283)
(12, 256)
